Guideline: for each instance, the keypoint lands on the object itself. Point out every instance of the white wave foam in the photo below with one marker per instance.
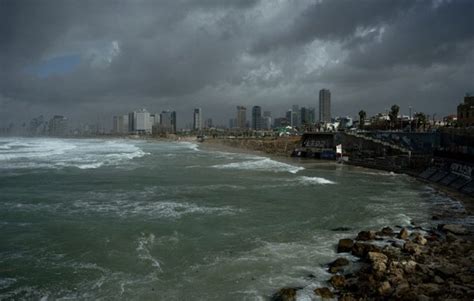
(262, 164)
(27, 153)
(143, 250)
(314, 180)
(190, 145)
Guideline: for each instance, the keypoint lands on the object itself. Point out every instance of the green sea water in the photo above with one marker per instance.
(89, 219)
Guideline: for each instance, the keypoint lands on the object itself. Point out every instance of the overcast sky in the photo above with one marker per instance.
(90, 60)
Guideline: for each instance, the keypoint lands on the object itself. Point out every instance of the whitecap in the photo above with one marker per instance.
(264, 164)
(314, 180)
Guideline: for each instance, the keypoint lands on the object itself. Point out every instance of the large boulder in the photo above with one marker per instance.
(338, 265)
(324, 292)
(412, 248)
(285, 294)
(378, 261)
(403, 234)
(338, 281)
(384, 288)
(365, 235)
(345, 245)
(362, 249)
(455, 229)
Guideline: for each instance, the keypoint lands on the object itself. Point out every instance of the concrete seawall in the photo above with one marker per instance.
(282, 146)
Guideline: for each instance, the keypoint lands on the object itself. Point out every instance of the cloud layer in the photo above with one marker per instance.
(92, 59)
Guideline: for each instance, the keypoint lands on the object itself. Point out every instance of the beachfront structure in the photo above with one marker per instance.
(324, 105)
(465, 116)
(257, 118)
(197, 119)
(241, 117)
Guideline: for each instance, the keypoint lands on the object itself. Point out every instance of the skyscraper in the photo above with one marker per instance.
(241, 117)
(256, 118)
(324, 105)
(173, 122)
(296, 116)
(197, 119)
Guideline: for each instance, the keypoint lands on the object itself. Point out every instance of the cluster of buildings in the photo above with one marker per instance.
(294, 117)
(40, 126)
(142, 122)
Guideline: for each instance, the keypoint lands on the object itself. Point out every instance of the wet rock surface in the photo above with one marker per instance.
(412, 264)
(429, 265)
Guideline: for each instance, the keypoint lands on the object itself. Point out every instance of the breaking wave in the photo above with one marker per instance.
(314, 180)
(262, 164)
(50, 153)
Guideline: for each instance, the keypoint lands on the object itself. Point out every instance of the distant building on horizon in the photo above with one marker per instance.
(241, 120)
(466, 112)
(256, 118)
(267, 120)
(57, 126)
(139, 122)
(197, 119)
(324, 105)
(120, 124)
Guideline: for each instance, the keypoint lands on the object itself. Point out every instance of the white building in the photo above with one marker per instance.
(197, 119)
(139, 122)
(120, 125)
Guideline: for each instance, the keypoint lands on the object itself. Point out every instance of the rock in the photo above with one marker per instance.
(347, 297)
(423, 298)
(428, 288)
(419, 239)
(384, 288)
(446, 270)
(455, 229)
(338, 281)
(324, 292)
(403, 234)
(285, 294)
(338, 265)
(341, 229)
(387, 231)
(450, 237)
(412, 248)
(379, 261)
(366, 235)
(409, 266)
(438, 280)
(401, 290)
(345, 245)
(391, 252)
(362, 249)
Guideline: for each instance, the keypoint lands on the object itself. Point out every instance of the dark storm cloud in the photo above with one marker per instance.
(217, 54)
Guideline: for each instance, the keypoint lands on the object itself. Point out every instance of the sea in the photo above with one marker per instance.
(129, 219)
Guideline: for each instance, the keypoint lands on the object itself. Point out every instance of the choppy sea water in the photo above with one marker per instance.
(134, 220)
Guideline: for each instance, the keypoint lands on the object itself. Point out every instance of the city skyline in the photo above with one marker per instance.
(91, 65)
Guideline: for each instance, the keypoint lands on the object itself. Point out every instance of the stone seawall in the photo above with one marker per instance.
(283, 146)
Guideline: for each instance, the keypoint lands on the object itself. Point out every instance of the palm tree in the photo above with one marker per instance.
(393, 115)
(362, 115)
(420, 120)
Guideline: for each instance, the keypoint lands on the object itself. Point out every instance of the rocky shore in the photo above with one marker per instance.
(409, 264)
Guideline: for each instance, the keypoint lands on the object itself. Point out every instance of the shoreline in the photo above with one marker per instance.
(415, 264)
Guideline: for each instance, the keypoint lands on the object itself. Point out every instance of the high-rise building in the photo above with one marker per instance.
(311, 115)
(256, 118)
(324, 105)
(120, 124)
(267, 120)
(296, 116)
(57, 126)
(197, 119)
(142, 123)
(173, 122)
(241, 117)
(208, 123)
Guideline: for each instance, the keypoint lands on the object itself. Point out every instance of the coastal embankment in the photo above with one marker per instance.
(282, 146)
(393, 263)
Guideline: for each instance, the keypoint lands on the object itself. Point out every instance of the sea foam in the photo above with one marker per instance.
(261, 164)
